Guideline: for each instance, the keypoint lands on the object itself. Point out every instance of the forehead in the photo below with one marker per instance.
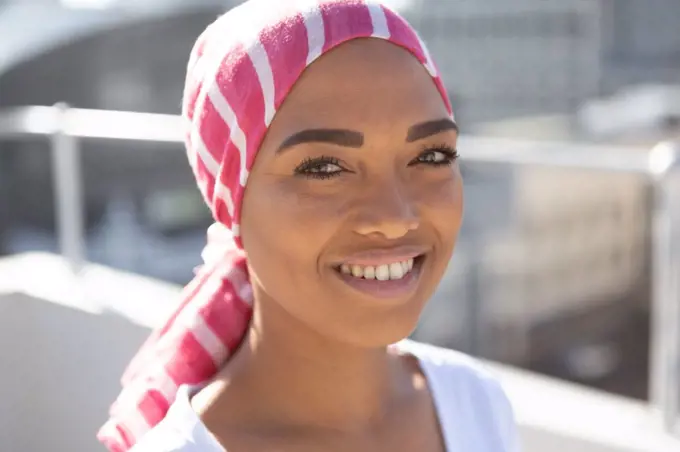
(364, 81)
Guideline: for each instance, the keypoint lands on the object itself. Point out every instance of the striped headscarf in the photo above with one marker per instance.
(240, 70)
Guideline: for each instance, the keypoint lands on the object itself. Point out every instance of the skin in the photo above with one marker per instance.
(314, 372)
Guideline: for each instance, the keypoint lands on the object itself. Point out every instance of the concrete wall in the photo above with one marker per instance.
(64, 343)
(61, 356)
(60, 372)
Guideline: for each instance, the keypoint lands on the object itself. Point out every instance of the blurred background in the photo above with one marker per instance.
(554, 272)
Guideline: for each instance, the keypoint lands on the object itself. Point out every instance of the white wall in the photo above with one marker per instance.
(60, 372)
(61, 360)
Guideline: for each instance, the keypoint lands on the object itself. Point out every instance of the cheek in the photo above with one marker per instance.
(287, 223)
(441, 200)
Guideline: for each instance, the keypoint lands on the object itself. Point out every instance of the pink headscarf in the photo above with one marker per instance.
(241, 69)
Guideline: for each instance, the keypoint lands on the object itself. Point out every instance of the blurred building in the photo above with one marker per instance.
(549, 52)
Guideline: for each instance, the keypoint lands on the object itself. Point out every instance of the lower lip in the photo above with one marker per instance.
(392, 288)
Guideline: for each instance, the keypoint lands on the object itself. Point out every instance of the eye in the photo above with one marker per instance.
(436, 156)
(319, 168)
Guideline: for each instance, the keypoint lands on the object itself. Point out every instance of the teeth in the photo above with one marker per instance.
(405, 267)
(382, 272)
(396, 270)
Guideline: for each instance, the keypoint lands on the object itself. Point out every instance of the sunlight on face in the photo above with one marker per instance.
(357, 170)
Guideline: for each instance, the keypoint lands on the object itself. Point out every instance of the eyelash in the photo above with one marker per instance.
(450, 155)
(310, 166)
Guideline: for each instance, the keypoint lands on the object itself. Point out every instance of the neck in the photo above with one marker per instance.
(287, 373)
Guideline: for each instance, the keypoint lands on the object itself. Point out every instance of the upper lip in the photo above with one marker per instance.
(383, 256)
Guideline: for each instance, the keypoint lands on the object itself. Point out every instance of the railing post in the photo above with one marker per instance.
(68, 191)
(664, 376)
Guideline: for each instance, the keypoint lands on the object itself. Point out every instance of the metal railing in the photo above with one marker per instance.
(65, 127)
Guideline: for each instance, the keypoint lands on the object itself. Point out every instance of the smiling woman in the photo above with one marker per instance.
(323, 139)
(357, 169)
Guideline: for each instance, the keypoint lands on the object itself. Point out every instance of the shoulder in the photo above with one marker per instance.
(453, 366)
(466, 388)
(180, 431)
(452, 360)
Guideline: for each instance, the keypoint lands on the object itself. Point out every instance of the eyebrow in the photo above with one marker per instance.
(354, 139)
(429, 128)
(341, 137)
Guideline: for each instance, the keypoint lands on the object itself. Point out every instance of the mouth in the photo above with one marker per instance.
(382, 272)
(383, 279)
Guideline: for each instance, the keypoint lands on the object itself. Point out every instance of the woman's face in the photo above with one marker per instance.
(355, 200)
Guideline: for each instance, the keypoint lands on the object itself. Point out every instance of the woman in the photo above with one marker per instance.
(349, 219)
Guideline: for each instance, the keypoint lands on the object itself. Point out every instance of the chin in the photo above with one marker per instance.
(385, 329)
(379, 322)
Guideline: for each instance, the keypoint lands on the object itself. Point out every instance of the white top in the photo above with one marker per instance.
(474, 412)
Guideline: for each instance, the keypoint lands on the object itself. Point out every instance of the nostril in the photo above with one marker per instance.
(388, 227)
(387, 211)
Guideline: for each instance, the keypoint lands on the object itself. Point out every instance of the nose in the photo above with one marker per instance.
(387, 212)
